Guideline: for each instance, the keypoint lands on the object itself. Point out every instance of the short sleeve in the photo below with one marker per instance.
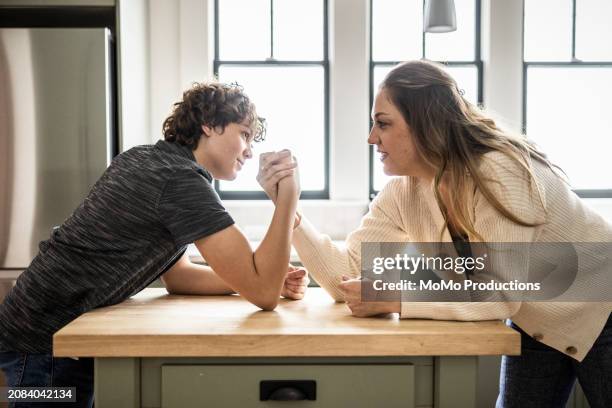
(190, 208)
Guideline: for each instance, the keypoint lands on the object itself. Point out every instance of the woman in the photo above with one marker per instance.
(134, 227)
(465, 180)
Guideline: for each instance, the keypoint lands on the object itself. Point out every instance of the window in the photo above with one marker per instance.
(397, 35)
(567, 78)
(277, 50)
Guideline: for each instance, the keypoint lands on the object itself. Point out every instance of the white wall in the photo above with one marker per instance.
(133, 58)
(164, 62)
(350, 110)
(502, 55)
(181, 52)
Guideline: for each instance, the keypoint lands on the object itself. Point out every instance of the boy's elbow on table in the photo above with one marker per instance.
(264, 301)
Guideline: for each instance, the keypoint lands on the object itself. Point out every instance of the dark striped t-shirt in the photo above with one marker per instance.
(135, 222)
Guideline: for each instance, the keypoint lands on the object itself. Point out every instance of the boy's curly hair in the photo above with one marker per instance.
(212, 104)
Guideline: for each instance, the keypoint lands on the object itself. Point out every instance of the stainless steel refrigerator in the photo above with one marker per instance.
(57, 132)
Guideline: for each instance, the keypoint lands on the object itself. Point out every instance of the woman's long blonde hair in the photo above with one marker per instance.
(451, 135)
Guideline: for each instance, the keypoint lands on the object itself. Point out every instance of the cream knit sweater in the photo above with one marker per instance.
(406, 211)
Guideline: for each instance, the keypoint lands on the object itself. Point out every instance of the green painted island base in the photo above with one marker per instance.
(407, 382)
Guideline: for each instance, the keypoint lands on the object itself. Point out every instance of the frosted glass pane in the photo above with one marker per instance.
(594, 30)
(457, 45)
(570, 117)
(292, 101)
(244, 29)
(397, 30)
(298, 30)
(380, 71)
(548, 30)
(467, 79)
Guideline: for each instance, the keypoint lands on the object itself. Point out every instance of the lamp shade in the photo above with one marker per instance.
(439, 16)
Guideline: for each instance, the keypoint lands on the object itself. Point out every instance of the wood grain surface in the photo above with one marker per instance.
(155, 324)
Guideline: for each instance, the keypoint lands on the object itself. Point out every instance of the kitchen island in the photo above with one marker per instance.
(160, 350)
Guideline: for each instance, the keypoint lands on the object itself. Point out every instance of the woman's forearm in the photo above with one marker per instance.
(326, 262)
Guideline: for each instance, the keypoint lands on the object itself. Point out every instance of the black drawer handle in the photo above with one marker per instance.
(287, 394)
(287, 390)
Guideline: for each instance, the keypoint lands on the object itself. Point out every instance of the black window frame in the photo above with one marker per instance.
(477, 62)
(271, 61)
(574, 63)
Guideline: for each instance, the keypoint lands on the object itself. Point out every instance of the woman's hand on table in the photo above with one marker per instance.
(351, 288)
(296, 283)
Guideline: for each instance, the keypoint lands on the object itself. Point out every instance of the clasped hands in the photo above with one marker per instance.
(273, 167)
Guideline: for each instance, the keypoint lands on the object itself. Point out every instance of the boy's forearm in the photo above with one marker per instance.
(195, 279)
(272, 255)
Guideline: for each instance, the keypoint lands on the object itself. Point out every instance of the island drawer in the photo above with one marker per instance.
(391, 385)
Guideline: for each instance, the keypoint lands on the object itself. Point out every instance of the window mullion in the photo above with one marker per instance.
(272, 29)
(216, 33)
(478, 31)
(423, 34)
(573, 30)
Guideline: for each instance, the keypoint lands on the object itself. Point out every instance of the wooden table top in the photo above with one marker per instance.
(155, 324)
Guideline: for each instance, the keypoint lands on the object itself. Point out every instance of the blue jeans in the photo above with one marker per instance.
(42, 370)
(543, 377)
